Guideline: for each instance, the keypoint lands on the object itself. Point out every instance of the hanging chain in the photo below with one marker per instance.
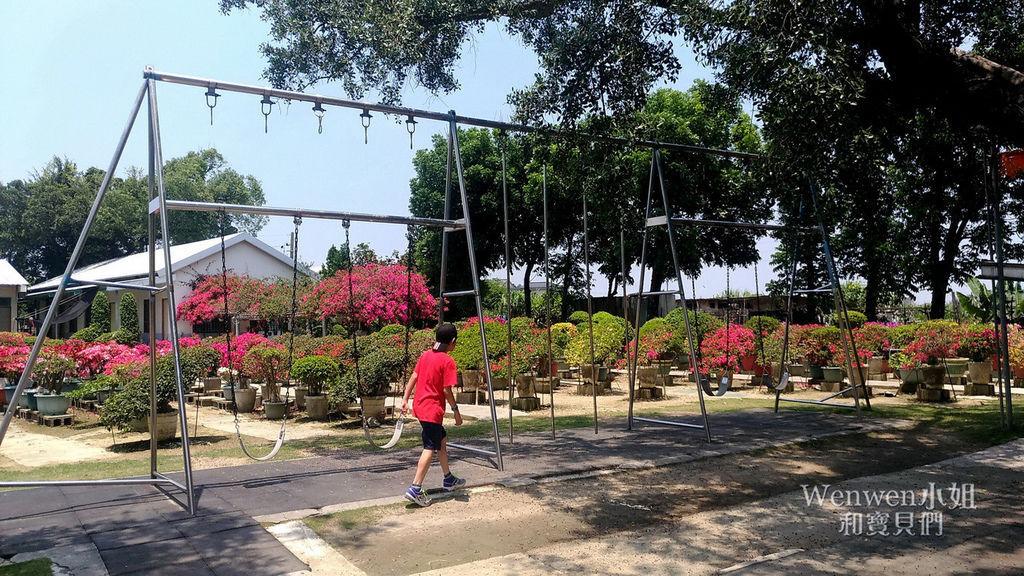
(408, 300)
(319, 111)
(266, 106)
(352, 306)
(227, 313)
(211, 92)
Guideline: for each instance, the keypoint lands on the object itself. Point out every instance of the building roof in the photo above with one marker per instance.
(135, 267)
(10, 277)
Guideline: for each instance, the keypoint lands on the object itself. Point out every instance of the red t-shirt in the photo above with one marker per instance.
(435, 371)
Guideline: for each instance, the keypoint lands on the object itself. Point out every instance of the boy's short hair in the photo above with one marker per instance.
(445, 333)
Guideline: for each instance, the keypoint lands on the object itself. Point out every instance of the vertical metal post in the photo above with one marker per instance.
(789, 305)
(444, 231)
(590, 308)
(625, 295)
(158, 160)
(997, 224)
(547, 286)
(150, 302)
(508, 283)
(453, 128)
(12, 402)
(634, 364)
(682, 293)
(837, 292)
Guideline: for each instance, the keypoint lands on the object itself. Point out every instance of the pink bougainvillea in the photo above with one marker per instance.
(12, 360)
(239, 346)
(380, 296)
(723, 349)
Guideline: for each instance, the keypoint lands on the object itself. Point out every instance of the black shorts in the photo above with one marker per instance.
(432, 435)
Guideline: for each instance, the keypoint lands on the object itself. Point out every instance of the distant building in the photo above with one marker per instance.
(245, 256)
(11, 284)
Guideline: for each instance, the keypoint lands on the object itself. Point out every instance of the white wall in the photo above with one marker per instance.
(12, 293)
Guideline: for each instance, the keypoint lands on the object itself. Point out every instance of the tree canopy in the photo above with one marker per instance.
(42, 217)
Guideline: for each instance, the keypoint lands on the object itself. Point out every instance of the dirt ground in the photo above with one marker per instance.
(488, 524)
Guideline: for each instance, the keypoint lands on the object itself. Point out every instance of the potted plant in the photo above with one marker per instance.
(874, 337)
(908, 370)
(721, 351)
(377, 370)
(268, 362)
(978, 343)
(820, 346)
(49, 372)
(316, 373)
(128, 408)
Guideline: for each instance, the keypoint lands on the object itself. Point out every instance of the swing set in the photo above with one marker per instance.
(160, 205)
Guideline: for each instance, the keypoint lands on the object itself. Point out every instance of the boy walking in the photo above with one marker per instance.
(435, 375)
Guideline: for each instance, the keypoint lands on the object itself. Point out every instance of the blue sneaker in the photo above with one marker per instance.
(417, 497)
(453, 482)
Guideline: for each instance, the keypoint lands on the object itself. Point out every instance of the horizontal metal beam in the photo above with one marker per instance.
(112, 482)
(729, 224)
(661, 293)
(471, 449)
(426, 114)
(668, 423)
(316, 214)
(818, 403)
(125, 285)
(460, 293)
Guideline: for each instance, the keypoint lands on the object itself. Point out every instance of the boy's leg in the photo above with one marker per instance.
(424, 465)
(442, 456)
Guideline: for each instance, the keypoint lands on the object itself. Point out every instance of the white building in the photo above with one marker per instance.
(11, 283)
(245, 256)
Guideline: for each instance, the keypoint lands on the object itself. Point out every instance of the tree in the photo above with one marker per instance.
(337, 259)
(204, 176)
(41, 218)
(605, 57)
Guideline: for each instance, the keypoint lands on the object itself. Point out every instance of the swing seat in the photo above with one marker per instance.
(783, 383)
(723, 384)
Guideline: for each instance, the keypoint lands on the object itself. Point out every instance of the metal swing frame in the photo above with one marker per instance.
(159, 205)
(858, 384)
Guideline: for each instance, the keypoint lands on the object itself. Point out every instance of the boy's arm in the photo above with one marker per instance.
(409, 388)
(451, 402)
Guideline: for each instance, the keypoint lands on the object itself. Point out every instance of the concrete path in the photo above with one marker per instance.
(139, 529)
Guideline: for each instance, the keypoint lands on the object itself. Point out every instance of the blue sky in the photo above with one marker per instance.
(72, 70)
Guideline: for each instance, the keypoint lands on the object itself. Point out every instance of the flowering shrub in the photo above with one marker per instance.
(267, 362)
(977, 342)
(240, 345)
(723, 349)
(206, 301)
(51, 367)
(932, 345)
(12, 361)
(11, 339)
(380, 296)
(654, 345)
(872, 336)
(820, 344)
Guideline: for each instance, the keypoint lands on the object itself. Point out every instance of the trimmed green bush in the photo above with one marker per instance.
(129, 333)
(857, 319)
(87, 334)
(761, 324)
(99, 313)
(132, 402)
(578, 317)
(316, 372)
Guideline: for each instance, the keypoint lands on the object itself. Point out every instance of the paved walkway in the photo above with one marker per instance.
(138, 529)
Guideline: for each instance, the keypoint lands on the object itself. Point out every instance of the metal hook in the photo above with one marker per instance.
(364, 118)
(266, 106)
(345, 224)
(319, 111)
(211, 92)
(410, 126)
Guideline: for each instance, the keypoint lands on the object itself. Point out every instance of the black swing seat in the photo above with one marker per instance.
(723, 385)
